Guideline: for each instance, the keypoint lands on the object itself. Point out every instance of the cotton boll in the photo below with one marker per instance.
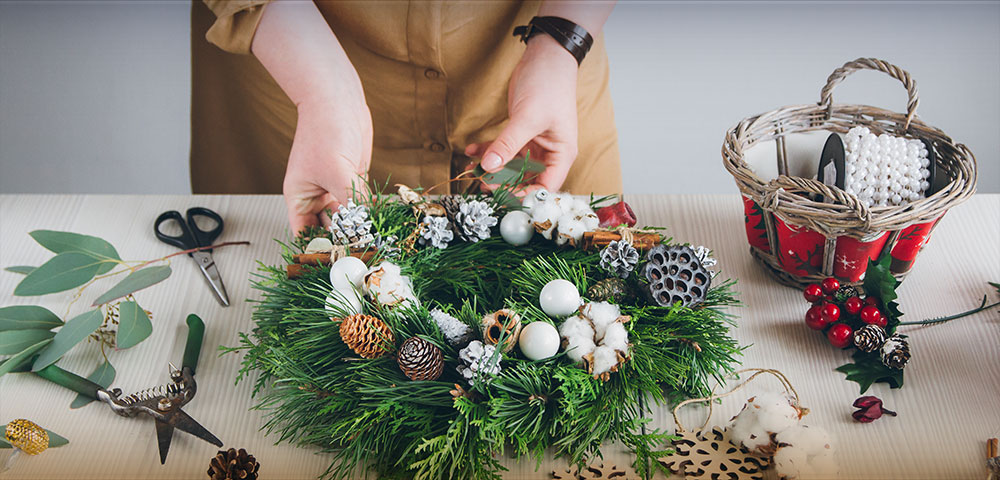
(590, 221)
(545, 216)
(763, 415)
(564, 201)
(601, 314)
(746, 431)
(388, 286)
(578, 337)
(605, 358)
(792, 463)
(804, 452)
(616, 337)
(570, 230)
(580, 207)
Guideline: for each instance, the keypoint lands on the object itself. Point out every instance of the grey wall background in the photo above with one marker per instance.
(94, 95)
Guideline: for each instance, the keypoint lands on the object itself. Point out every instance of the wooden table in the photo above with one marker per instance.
(949, 406)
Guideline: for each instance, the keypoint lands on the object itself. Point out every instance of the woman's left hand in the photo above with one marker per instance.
(541, 101)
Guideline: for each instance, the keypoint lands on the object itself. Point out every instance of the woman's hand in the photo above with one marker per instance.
(329, 160)
(541, 101)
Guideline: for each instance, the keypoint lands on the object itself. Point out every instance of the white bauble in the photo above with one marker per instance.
(347, 300)
(348, 273)
(319, 245)
(539, 340)
(516, 228)
(559, 298)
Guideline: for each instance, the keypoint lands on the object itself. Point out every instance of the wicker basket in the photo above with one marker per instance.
(801, 241)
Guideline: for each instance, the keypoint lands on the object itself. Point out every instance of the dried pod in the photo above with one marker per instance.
(27, 436)
(676, 275)
(502, 325)
(420, 359)
(368, 336)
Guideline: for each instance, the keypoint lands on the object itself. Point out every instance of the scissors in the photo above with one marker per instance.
(193, 237)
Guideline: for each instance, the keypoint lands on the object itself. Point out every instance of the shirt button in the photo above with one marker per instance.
(432, 74)
(436, 147)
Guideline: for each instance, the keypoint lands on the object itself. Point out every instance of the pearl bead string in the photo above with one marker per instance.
(885, 170)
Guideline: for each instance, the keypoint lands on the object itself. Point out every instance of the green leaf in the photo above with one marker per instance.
(880, 283)
(14, 341)
(133, 325)
(513, 172)
(55, 440)
(134, 282)
(13, 363)
(868, 369)
(75, 330)
(22, 269)
(23, 317)
(103, 375)
(62, 272)
(62, 242)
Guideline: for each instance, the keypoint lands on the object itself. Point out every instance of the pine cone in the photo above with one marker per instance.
(350, 225)
(676, 275)
(619, 258)
(614, 290)
(368, 336)
(232, 464)
(845, 292)
(895, 352)
(436, 231)
(470, 219)
(869, 338)
(420, 359)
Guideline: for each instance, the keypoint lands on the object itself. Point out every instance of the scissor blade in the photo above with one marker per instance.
(185, 423)
(208, 268)
(164, 433)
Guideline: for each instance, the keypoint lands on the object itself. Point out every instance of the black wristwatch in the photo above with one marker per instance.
(571, 36)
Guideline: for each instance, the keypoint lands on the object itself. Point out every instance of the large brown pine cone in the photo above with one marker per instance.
(232, 464)
(368, 336)
(420, 359)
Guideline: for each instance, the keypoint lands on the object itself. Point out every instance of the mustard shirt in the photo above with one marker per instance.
(434, 74)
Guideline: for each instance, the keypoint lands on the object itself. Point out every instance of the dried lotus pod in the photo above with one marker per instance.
(27, 436)
(676, 275)
(368, 336)
(503, 323)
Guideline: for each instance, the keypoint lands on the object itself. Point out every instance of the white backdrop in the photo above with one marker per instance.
(94, 96)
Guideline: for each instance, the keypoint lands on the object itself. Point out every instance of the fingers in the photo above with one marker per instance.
(555, 173)
(304, 209)
(512, 139)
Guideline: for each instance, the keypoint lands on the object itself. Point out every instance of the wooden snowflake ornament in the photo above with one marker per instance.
(714, 456)
(597, 470)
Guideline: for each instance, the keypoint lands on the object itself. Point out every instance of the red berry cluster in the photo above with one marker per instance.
(836, 316)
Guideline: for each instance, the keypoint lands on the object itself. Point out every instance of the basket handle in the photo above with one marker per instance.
(808, 185)
(838, 75)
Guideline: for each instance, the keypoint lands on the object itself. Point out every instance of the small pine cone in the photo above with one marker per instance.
(619, 258)
(420, 359)
(233, 464)
(470, 219)
(350, 225)
(869, 338)
(845, 292)
(895, 352)
(368, 336)
(27, 436)
(614, 290)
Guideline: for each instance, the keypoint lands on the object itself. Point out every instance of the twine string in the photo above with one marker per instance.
(713, 396)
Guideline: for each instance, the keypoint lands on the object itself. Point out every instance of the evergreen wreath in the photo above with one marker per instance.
(373, 419)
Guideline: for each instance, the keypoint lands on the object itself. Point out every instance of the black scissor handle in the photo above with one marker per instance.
(204, 238)
(184, 241)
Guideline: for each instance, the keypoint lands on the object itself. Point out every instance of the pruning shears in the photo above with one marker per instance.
(162, 402)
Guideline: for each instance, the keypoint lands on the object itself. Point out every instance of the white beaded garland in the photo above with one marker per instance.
(884, 170)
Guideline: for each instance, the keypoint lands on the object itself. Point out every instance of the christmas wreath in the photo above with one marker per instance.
(419, 337)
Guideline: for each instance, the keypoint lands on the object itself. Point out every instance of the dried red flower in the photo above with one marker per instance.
(870, 409)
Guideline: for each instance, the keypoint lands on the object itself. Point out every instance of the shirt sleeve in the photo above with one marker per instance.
(235, 23)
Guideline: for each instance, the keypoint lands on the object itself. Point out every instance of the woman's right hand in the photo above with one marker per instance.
(329, 160)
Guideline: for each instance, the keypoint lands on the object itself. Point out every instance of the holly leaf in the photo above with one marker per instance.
(14, 341)
(22, 269)
(880, 283)
(62, 242)
(62, 272)
(133, 325)
(24, 317)
(134, 282)
(868, 369)
(55, 440)
(75, 330)
(103, 376)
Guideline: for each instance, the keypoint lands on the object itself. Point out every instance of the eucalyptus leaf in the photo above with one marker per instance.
(13, 363)
(14, 341)
(62, 272)
(513, 172)
(55, 440)
(62, 242)
(134, 282)
(22, 269)
(103, 375)
(24, 317)
(133, 325)
(75, 330)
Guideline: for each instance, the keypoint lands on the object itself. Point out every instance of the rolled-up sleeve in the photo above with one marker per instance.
(235, 23)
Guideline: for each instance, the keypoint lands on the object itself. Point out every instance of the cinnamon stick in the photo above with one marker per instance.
(600, 239)
(304, 261)
(992, 448)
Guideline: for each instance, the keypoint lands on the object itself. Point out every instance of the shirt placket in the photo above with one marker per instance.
(430, 81)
